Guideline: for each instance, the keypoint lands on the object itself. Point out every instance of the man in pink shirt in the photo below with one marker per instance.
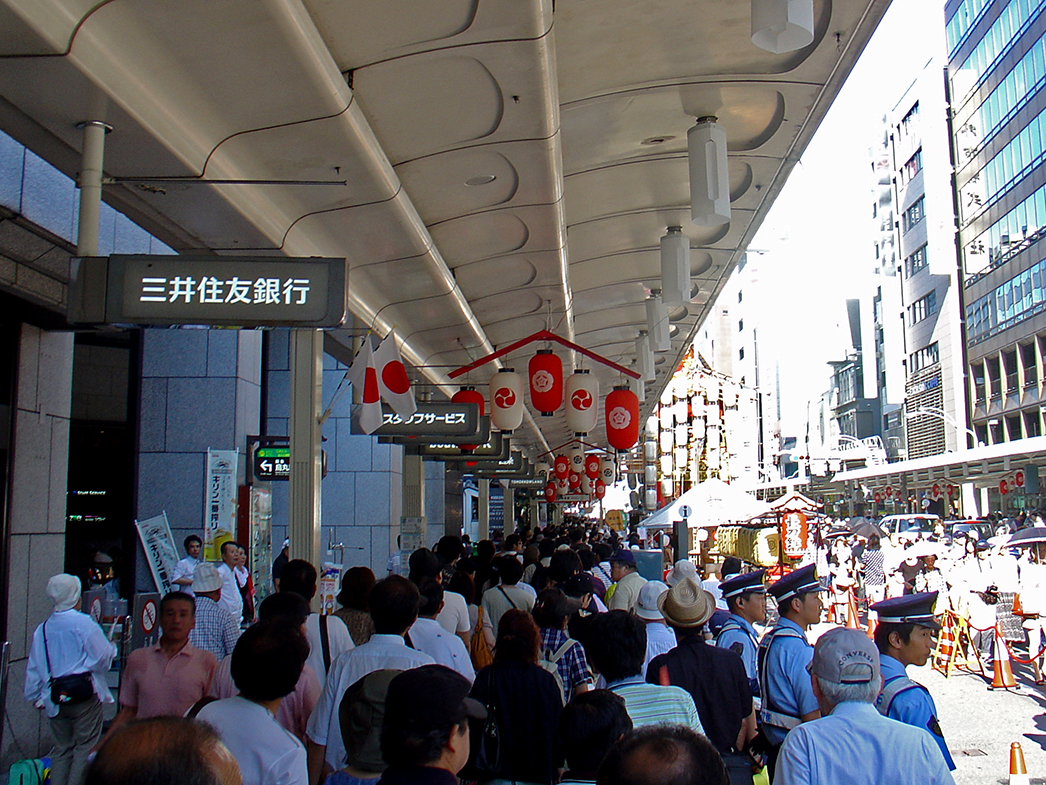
(168, 678)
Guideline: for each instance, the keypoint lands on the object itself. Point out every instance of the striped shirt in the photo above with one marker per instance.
(652, 704)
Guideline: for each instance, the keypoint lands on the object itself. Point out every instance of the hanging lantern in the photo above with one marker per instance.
(657, 323)
(709, 177)
(606, 471)
(582, 396)
(550, 492)
(562, 467)
(543, 467)
(592, 466)
(600, 489)
(506, 400)
(573, 480)
(577, 460)
(622, 418)
(470, 395)
(586, 484)
(562, 485)
(781, 26)
(546, 382)
(675, 267)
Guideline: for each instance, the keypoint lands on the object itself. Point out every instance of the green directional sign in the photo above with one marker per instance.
(272, 463)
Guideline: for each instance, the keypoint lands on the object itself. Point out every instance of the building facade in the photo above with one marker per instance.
(996, 72)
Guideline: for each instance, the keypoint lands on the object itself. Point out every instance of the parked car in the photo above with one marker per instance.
(910, 526)
(971, 527)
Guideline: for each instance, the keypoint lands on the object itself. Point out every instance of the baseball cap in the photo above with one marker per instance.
(578, 585)
(624, 556)
(646, 604)
(845, 656)
(432, 697)
(205, 578)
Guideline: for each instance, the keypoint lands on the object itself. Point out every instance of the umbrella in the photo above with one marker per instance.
(866, 529)
(921, 549)
(837, 532)
(1032, 536)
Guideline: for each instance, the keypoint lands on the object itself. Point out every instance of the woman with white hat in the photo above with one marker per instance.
(65, 677)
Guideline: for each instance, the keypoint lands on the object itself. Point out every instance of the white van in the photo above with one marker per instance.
(909, 526)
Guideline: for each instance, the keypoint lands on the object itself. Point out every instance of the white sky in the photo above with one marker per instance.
(818, 233)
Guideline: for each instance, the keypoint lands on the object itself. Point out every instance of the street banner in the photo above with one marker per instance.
(219, 502)
(160, 550)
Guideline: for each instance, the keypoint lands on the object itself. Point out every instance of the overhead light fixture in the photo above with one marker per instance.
(644, 357)
(709, 177)
(675, 267)
(657, 323)
(781, 26)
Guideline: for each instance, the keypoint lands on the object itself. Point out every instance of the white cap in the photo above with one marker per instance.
(646, 605)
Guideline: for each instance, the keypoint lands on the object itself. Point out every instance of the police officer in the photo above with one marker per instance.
(787, 696)
(904, 637)
(745, 596)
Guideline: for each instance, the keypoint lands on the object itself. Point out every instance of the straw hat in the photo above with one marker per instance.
(686, 604)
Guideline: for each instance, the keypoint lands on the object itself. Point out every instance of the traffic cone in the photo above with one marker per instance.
(1018, 771)
(1002, 672)
(944, 653)
(871, 623)
(851, 611)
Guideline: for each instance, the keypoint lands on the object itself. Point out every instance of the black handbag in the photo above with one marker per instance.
(74, 688)
(488, 755)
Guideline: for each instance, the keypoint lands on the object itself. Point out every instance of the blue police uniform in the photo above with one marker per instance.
(738, 634)
(901, 698)
(784, 654)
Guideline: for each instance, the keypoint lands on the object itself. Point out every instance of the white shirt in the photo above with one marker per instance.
(267, 753)
(75, 644)
(444, 647)
(337, 636)
(231, 599)
(660, 639)
(184, 569)
(381, 651)
(711, 585)
(454, 617)
(856, 745)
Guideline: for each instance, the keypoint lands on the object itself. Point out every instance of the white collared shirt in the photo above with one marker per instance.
(444, 647)
(75, 644)
(267, 753)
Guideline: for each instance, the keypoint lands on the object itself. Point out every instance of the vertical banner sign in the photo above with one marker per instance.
(160, 550)
(219, 502)
(794, 536)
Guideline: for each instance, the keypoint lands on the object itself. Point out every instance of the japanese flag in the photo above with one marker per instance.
(392, 378)
(364, 376)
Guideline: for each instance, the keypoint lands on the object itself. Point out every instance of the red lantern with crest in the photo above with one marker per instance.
(600, 489)
(562, 467)
(592, 466)
(622, 418)
(470, 395)
(546, 382)
(550, 492)
(573, 481)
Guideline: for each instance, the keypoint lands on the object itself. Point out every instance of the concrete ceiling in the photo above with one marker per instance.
(490, 168)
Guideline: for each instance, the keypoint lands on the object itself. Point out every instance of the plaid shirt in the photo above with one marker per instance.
(572, 666)
(216, 630)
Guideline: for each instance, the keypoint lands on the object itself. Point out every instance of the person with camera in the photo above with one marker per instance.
(65, 677)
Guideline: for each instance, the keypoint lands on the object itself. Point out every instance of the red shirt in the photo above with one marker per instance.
(158, 686)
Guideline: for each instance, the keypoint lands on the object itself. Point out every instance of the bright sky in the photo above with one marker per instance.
(818, 233)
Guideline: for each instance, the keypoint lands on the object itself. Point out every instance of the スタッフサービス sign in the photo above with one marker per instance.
(208, 290)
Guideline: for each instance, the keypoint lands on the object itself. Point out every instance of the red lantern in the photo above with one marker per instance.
(550, 492)
(951, 490)
(506, 400)
(600, 489)
(889, 492)
(470, 395)
(1004, 487)
(592, 466)
(562, 484)
(878, 497)
(622, 418)
(1018, 479)
(573, 481)
(562, 467)
(582, 397)
(546, 382)
(935, 492)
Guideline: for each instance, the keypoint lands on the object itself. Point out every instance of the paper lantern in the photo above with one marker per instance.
(781, 26)
(622, 418)
(561, 467)
(562, 485)
(506, 400)
(592, 466)
(709, 177)
(550, 492)
(470, 395)
(573, 480)
(577, 460)
(675, 267)
(600, 489)
(546, 382)
(586, 484)
(582, 398)
(607, 471)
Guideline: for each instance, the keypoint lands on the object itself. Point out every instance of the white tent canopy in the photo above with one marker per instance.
(712, 503)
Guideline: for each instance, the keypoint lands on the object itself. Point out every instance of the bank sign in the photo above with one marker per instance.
(219, 291)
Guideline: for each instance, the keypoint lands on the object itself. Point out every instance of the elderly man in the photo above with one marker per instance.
(853, 743)
(215, 630)
(627, 581)
(69, 645)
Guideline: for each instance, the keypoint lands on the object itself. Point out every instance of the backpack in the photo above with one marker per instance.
(549, 660)
(30, 772)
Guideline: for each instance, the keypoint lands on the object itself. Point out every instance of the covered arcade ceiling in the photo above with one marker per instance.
(490, 168)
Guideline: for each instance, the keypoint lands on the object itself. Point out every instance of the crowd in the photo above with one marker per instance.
(551, 660)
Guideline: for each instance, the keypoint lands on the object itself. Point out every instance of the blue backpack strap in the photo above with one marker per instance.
(891, 690)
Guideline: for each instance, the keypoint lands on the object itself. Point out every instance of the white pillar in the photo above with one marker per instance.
(91, 187)
(304, 429)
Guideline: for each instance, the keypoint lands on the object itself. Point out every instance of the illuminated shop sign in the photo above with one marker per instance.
(431, 419)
